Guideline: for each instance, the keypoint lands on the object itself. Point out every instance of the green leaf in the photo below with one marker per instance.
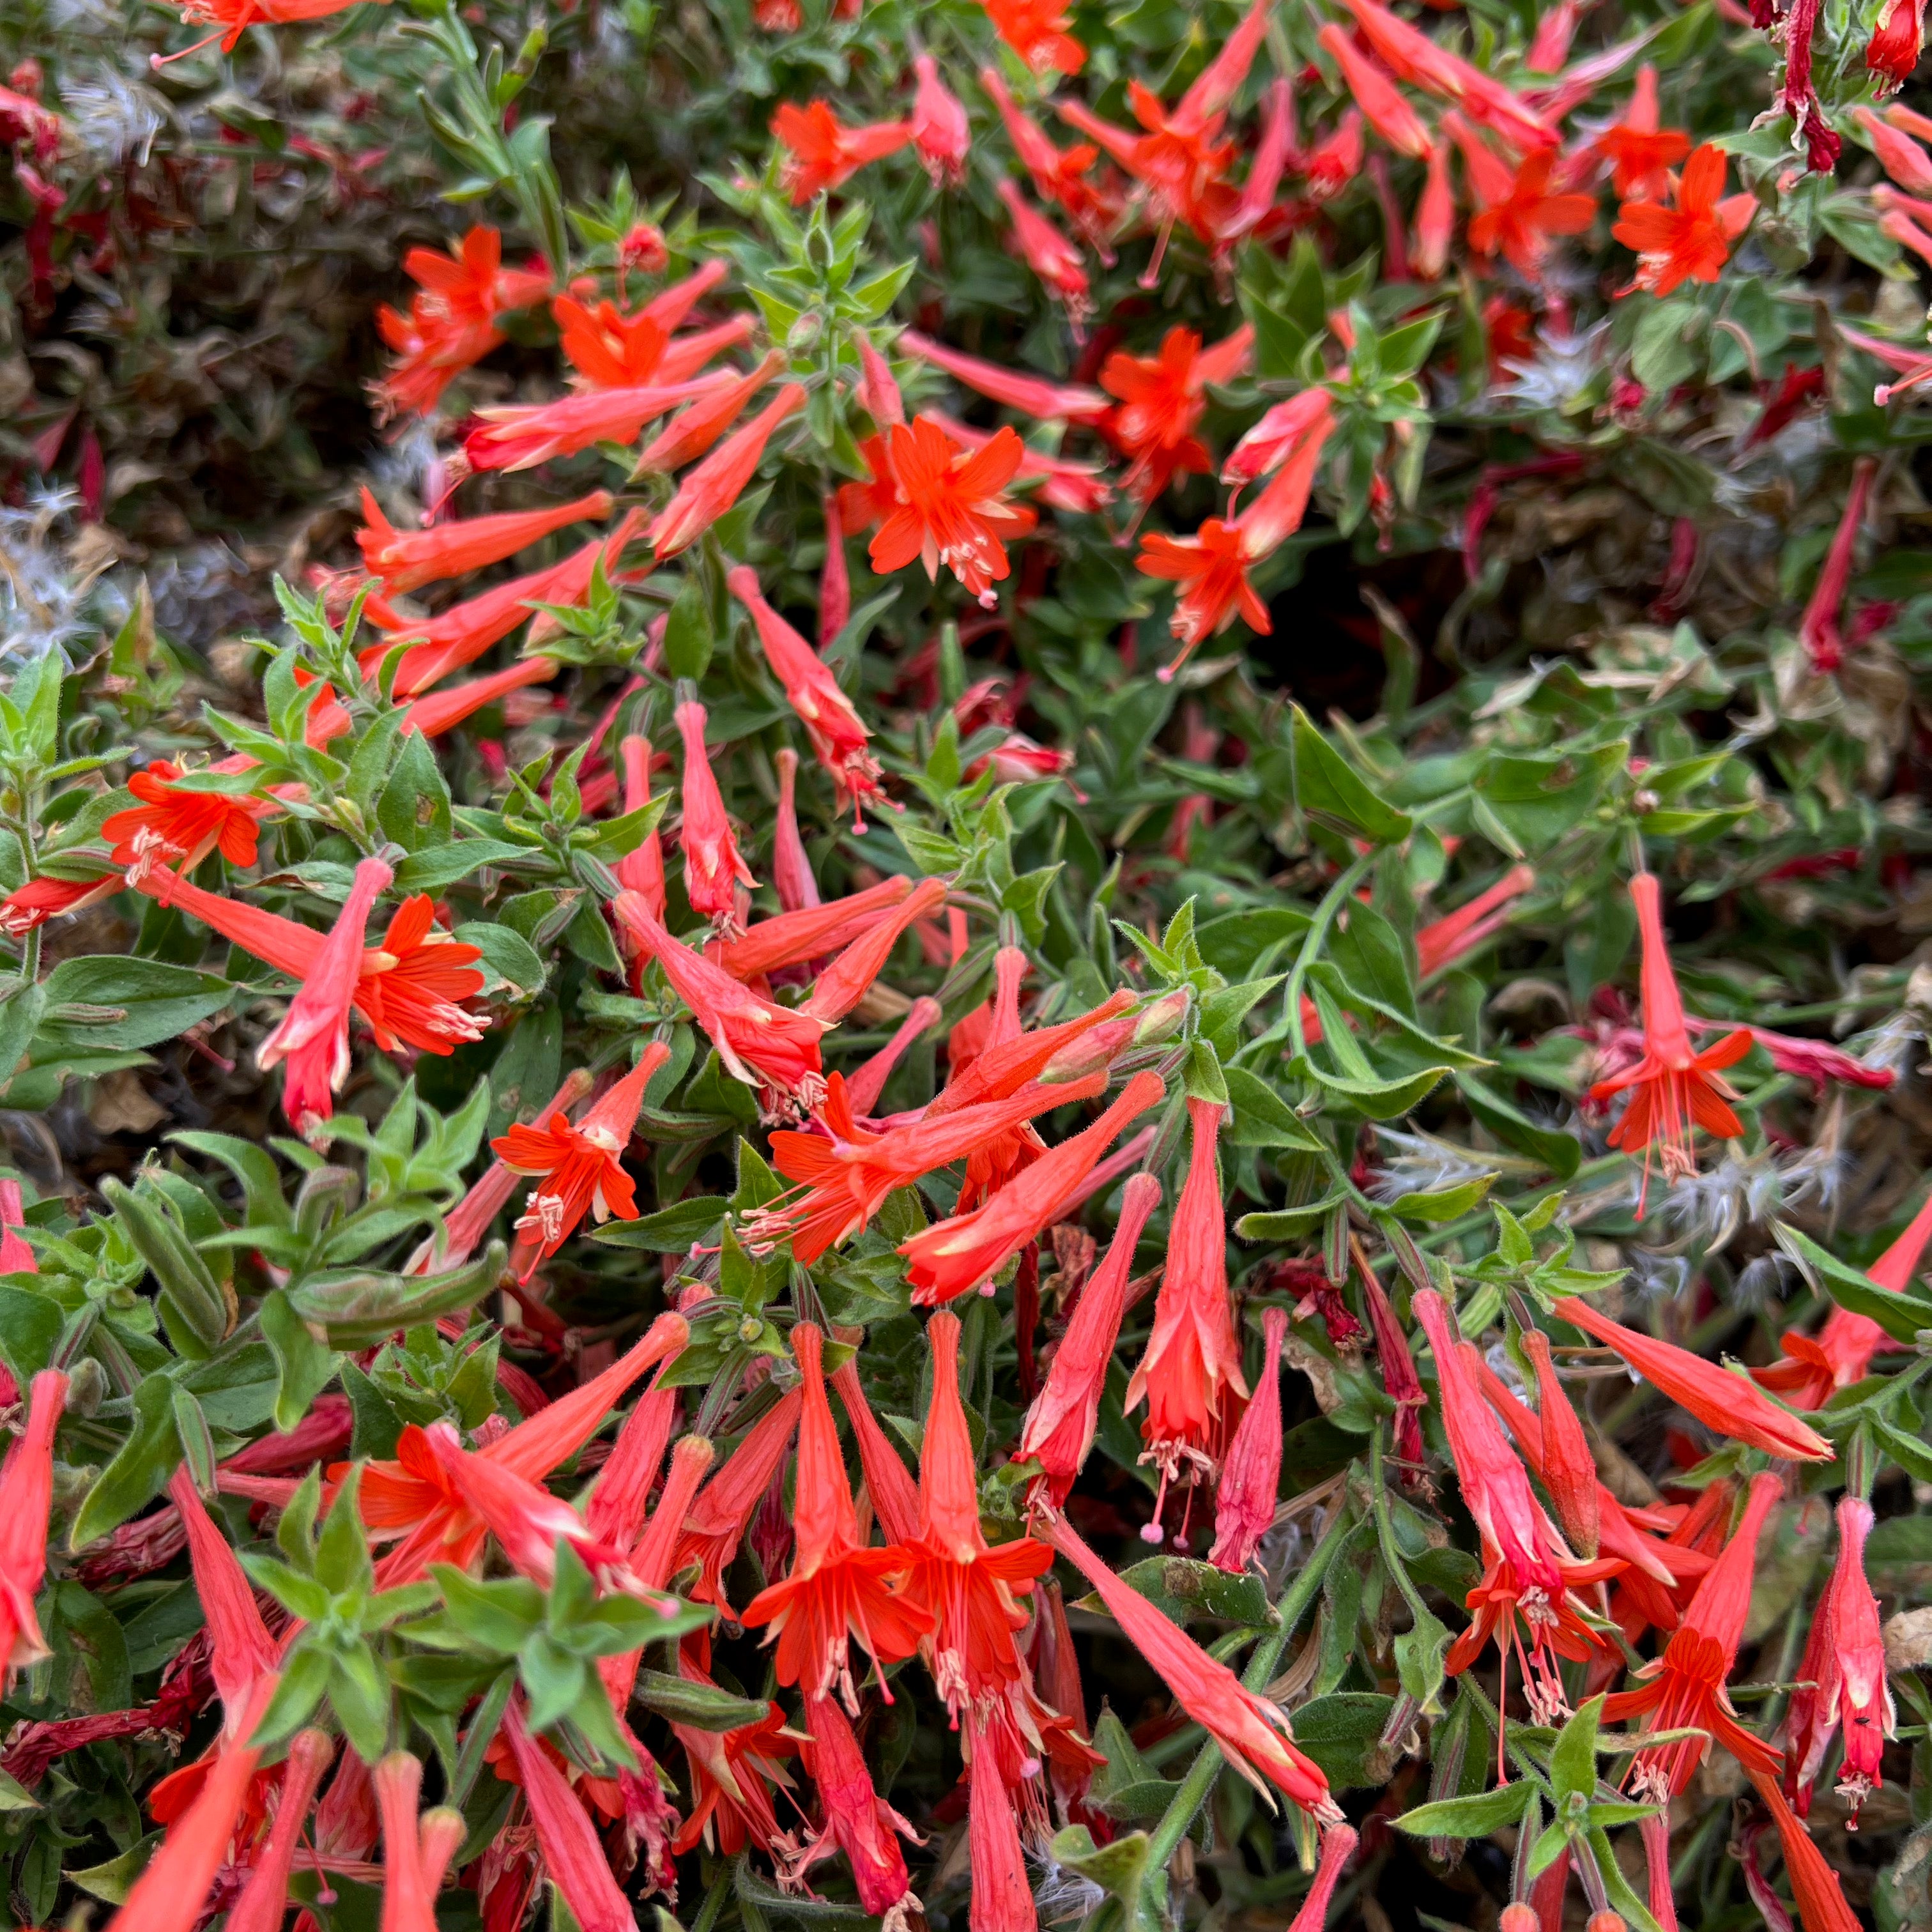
(1185, 1589)
(1436, 1205)
(1472, 1817)
(702, 1706)
(306, 1366)
(1378, 1099)
(140, 1470)
(1572, 1758)
(1342, 1732)
(1901, 1316)
(671, 1230)
(1288, 1224)
(1327, 787)
(100, 1002)
(1262, 1118)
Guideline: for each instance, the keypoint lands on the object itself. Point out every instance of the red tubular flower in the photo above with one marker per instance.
(1818, 1888)
(26, 1496)
(1520, 224)
(412, 1500)
(416, 1852)
(1251, 1473)
(452, 323)
(1049, 254)
(838, 734)
(1338, 1847)
(763, 1045)
(313, 1034)
(951, 507)
(821, 152)
(1641, 154)
(1253, 1733)
(791, 867)
(1818, 629)
(1903, 158)
(566, 1834)
(844, 983)
(1897, 41)
(1057, 176)
(967, 1589)
(641, 870)
(855, 1820)
(1528, 1577)
(966, 1251)
(443, 711)
(171, 1894)
(808, 931)
(1269, 443)
(940, 130)
(28, 907)
(1421, 61)
(578, 1166)
(868, 1082)
(732, 1773)
(1400, 1383)
(1674, 1086)
(1081, 489)
(263, 1904)
(1814, 1371)
(1162, 398)
(405, 560)
(1191, 1373)
(1850, 1671)
(1001, 1899)
(838, 1588)
(1685, 1688)
(178, 827)
(1036, 30)
(1443, 941)
(520, 436)
(1033, 396)
(1568, 1468)
(1798, 95)
(1375, 94)
(1058, 1433)
(701, 424)
(894, 1496)
(1692, 242)
(714, 1526)
(717, 483)
(1732, 1404)
(243, 1654)
(713, 868)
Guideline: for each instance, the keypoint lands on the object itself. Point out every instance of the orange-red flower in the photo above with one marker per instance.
(713, 867)
(1673, 1086)
(1253, 1732)
(846, 981)
(1375, 94)
(715, 1525)
(1049, 254)
(1685, 1688)
(1641, 154)
(838, 734)
(26, 1495)
(1036, 30)
(809, 931)
(519, 436)
(952, 1256)
(1162, 398)
(182, 827)
(1191, 1373)
(263, 1904)
(1061, 176)
(821, 152)
(578, 1166)
(950, 509)
(1423, 63)
(416, 1852)
(1518, 221)
(968, 1589)
(717, 483)
(1818, 1887)
(697, 427)
(940, 130)
(566, 1836)
(441, 711)
(765, 1046)
(1251, 1471)
(732, 1773)
(1443, 941)
(1732, 1405)
(855, 1820)
(1058, 1433)
(1896, 44)
(839, 1588)
(452, 322)
(1032, 395)
(642, 868)
(1690, 242)
(612, 350)
(406, 560)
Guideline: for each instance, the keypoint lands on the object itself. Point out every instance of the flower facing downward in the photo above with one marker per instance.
(1673, 1087)
(713, 868)
(1251, 1476)
(578, 1167)
(855, 1819)
(1640, 154)
(940, 130)
(950, 508)
(26, 1495)
(314, 1035)
(838, 1588)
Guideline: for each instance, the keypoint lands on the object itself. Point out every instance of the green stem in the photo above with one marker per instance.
(1311, 946)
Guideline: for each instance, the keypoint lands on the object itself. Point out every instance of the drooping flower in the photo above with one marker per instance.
(1049, 254)
(838, 735)
(405, 560)
(1400, 1383)
(314, 1035)
(838, 1588)
(765, 1046)
(1568, 1468)
(1191, 1374)
(951, 507)
(967, 1589)
(1732, 1405)
(1036, 30)
(416, 1851)
(1424, 63)
(869, 1079)
(715, 1524)
(967, 1251)
(710, 490)
(940, 130)
(1443, 941)
(1845, 1659)
(1253, 1733)
(1162, 398)
(713, 867)
(1673, 1087)
(1798, 95)
(822, 153)
(792, 877)
(1818, 1889)
(1897, 41)
(1517, 216)
(1686, 1687)
(1434, 218)
(1818, 629)
(26, 1496)
(577, 1165)
(894, 1496)
(1001, 1899)
(688, 435)
(443, 711)
(1528, 1578)
(1690, 242)
(1338, 1847)
(451, 323)
(566, 1836)
(243, 1655)
(1251, 1472)
(641, 869)
(1375, 94)
(1059, 1430)
(1641, 154)
(855, 1820)
(732, 1774)
(1062, 176)
(263, 1904)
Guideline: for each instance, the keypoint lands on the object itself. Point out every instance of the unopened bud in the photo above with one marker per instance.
(1518, 1918)
(1161, 1019)
(1605, 1921)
